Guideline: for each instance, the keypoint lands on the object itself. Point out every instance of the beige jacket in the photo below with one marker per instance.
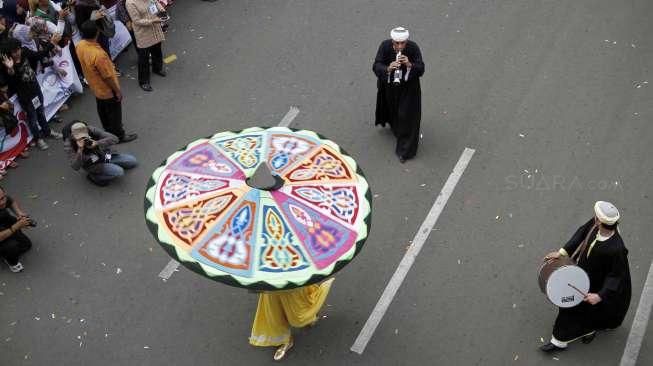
(147, 32)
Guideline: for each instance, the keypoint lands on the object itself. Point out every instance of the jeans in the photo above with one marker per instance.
(103, 173)
(38, 124)
(144, 62)
(14, 246)
(110, 112)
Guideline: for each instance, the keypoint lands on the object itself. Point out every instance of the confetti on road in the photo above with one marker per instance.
(146, 347)
(118, 270)
(396, 331)
(522, 135)
(556, 358)
(169, 59)
(516, 357)
(541, 339)
(520, 246)
(376, 196)
(33, 196)
(423, 185)
(514, 306)
(496, 218)
(55, 203)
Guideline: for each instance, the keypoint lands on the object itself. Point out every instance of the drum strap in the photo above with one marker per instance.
(581, 248)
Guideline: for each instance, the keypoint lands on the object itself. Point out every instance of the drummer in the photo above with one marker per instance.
(605, 259)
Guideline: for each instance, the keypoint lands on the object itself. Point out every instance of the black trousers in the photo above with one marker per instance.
(110, 112)
(36, 120)
(144, 62)
(14, 246)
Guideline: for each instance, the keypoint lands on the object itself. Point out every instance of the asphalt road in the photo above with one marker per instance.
(551, 94)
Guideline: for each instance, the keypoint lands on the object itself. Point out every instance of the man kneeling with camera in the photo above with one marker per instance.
(90, 151)
(13, 243)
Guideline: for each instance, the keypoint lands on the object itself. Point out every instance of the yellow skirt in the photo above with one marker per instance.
(279, 310)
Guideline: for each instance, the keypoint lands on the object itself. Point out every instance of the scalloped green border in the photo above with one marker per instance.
(228, 278)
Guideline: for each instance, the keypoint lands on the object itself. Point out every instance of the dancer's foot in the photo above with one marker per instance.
(281, 351)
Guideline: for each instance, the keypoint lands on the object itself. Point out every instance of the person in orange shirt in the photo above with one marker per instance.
(100, 73)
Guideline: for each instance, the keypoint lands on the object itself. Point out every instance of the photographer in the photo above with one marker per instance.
(89, 150)
(13, 243)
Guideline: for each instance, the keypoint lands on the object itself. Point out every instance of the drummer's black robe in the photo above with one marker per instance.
(400, 104)
(607, 268)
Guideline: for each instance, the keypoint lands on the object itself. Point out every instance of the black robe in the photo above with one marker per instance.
(607, 268)
(400, 105)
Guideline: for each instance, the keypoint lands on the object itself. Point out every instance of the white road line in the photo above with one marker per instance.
(636, 336)
(172, 266)
(412, 252)
(169, 269)
(289, 117)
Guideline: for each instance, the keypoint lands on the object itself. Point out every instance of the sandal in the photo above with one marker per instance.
(281, 351)
(18, 267)
(12, 164)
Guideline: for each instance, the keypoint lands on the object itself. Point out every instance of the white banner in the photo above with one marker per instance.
(11, 145)
(119, 41)
(57, 89)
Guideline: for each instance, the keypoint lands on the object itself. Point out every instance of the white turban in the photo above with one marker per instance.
(399, 34)
(606, 212)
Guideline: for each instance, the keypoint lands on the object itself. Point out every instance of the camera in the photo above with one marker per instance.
(165, 17)
(88, 143)
(32, 222)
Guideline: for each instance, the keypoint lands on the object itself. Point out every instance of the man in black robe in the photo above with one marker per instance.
(398, 66)
(600, 251)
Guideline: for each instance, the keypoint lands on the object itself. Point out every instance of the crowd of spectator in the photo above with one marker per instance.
(32, 33)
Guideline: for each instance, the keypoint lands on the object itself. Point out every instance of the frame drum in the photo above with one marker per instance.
(563, 281)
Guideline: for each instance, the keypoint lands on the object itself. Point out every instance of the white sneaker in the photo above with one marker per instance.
(56, 135)
(42, 144)
(18, 267)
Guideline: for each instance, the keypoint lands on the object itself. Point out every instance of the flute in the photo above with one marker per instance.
(397, 75)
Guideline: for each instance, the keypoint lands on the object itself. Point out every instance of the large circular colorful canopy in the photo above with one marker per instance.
(200, 207)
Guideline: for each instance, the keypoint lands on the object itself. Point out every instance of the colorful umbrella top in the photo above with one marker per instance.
(307, 222)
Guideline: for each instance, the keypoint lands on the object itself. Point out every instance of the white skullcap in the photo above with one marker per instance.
(606, 212)
(399, 34)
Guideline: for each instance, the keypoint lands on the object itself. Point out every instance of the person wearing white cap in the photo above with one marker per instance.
(398, 66)
(604, 257)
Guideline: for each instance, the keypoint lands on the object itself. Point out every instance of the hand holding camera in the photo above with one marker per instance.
(86, 143)
(23, 222)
